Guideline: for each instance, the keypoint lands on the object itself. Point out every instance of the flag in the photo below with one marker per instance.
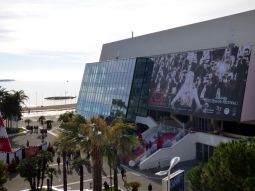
(5, 145)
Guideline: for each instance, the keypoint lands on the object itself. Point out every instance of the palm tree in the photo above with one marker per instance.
(11, 104)
(121, 140)
(19, 97)
(44, 160)
(3, 93)
(41, 119)
(90, 137)
(94, 138)
(66, 117)
(28, 121)
(97, 139)
(69, 139)
(78, 164)
(63, 146)
(49, 124)
(50, 173)
(109, 154)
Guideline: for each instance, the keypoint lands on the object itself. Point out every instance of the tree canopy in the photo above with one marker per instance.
(66, 117)
(41, 119)
(231, 168)
(11, 104)
(34, 169)
(97, 139)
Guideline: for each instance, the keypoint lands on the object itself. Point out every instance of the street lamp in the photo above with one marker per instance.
(173, 162)
(66, 90)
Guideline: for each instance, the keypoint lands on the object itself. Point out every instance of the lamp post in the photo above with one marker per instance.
(173, 162)
(66, 90)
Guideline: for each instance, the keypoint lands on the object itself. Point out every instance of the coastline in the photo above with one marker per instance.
(49, 108)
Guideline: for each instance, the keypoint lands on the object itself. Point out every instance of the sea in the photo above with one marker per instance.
(37, 91)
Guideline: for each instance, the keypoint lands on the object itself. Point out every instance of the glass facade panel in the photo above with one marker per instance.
(199, 151)
(105, 88)
(140, 88)
(203, 152)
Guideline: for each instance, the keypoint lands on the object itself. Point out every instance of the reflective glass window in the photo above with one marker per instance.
(104, 82)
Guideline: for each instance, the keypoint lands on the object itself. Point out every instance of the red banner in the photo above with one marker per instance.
(5, 145)
(1, 122)
(31, 151)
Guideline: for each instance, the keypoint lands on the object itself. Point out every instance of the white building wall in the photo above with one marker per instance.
(3, 157)
(11, 157)
(150, 122)
(238, 29)
(248, 111)
(185, 149)
(19, 154)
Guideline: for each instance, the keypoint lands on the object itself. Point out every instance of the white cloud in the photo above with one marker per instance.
(83, 26)
(78, 26)
(46, 74)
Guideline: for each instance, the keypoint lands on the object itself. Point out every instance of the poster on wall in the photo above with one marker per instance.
(208, 83)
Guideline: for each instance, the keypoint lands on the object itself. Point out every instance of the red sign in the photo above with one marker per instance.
(31, 151)
(1, 122)
(5, 145)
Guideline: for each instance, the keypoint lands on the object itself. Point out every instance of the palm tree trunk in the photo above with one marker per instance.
(30, 180)
(38, 179)
(97, 170)
(64, 171)
(11, 120)
(43, 171)
(81, 177)
(115, 177)
(115, 170)
(51, 180)
(110, 175)
(34, 184)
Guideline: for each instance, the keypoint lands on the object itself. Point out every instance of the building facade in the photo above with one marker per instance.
(200, 75)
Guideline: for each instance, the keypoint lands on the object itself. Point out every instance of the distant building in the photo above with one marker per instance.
(200, 76)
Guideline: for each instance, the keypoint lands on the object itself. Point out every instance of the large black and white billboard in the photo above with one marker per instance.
(208, 83)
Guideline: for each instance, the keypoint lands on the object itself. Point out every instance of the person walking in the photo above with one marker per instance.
(150, 187)
(123, 173)
(58, 161)
(67, 165)
(106, 186)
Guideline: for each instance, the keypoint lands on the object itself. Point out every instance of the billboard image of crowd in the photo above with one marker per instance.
(206, 82)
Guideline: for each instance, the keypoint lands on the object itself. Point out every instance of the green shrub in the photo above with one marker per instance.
(134, 185)
(14, 130)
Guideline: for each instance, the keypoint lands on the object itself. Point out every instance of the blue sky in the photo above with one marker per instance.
(45, 40)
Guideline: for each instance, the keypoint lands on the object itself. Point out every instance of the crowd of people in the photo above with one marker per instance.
(192, 80)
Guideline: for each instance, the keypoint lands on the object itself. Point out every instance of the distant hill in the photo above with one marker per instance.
(6, 80)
